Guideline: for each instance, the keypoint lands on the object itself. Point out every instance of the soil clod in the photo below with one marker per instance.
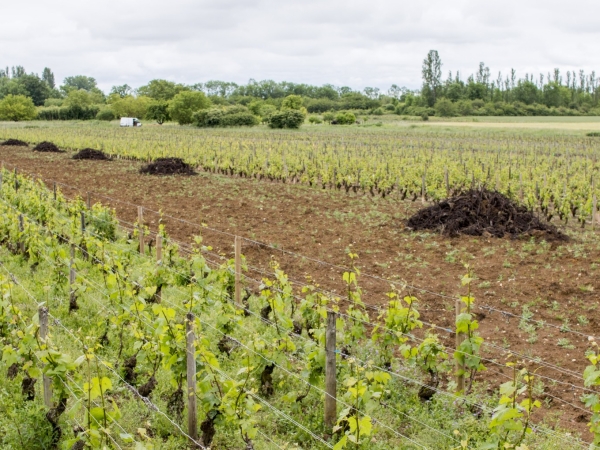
(175, 404)
(90, 153)
(12, 371)
(146, 389)
(15, 143)
(28, 388)
(481, 212)
(168, 166)
(266, 380)
(47, 147)
(129, 369)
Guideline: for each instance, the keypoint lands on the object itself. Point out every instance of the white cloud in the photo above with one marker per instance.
(355, 43)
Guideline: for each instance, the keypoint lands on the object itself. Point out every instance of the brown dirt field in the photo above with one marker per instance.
(558, 282)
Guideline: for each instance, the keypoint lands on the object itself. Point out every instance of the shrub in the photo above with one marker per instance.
(424, 116)
(315, 120)
(185, 104)
(328, 117)
(286, 118)
(233, 116)
(464, 107)
(345, 118)
(593, 134)
(53, 102)
(445, 108)
(106, 114)
(69, 113)
(320, 105)
(378, 111)
(16, 108)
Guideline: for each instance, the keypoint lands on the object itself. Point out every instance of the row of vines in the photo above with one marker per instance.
(555, 175)
(113, 362)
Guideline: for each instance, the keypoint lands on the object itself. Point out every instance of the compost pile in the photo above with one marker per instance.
(90, 153)
(46, 147)
(15, 143)
(479, 212)
(168, 166)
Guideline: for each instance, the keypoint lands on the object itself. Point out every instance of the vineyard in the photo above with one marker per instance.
(555, 174)
(98, 337)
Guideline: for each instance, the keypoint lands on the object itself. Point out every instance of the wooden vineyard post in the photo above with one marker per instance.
(72, 276)
(47, 382)
(141, 228)
(460, 367)
(423, 189)
(330, 373)
(21, 230)
(447, 180)
(238, 271)
(16, 181)
(191, 377)
(521, 187)
(82, 223)
(594, 212)
(159, 244)
(54, 190)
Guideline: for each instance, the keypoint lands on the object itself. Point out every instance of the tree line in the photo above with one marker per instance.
(78, 97)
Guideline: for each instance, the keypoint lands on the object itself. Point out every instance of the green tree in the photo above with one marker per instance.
(161, 89)
(292, 102)
(432, 76)
(445, 108)
(556, 95)
(130, 106)
(81, 98)
(79, 82)
(16, 108)
(159, 111)
(476, 90)
(48, 78)
(18, 71)
(37, 89)
(122, 91)
(185, 104)
(526, 92)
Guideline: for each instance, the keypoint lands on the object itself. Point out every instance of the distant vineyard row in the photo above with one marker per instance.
(556, 175)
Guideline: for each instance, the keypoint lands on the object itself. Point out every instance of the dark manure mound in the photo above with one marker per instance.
(168, 166)
(90, 153)
(15, 143)
(482, 212)
(46, 147)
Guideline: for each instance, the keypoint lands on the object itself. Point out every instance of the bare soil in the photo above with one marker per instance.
(557, 281)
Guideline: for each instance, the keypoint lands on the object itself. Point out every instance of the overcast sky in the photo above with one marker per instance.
(343, 42)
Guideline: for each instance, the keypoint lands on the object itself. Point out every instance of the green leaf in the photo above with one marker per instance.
(126, 437)
(341, 443)
(365, 426)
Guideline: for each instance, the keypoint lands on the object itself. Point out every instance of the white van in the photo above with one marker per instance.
(130, 122)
